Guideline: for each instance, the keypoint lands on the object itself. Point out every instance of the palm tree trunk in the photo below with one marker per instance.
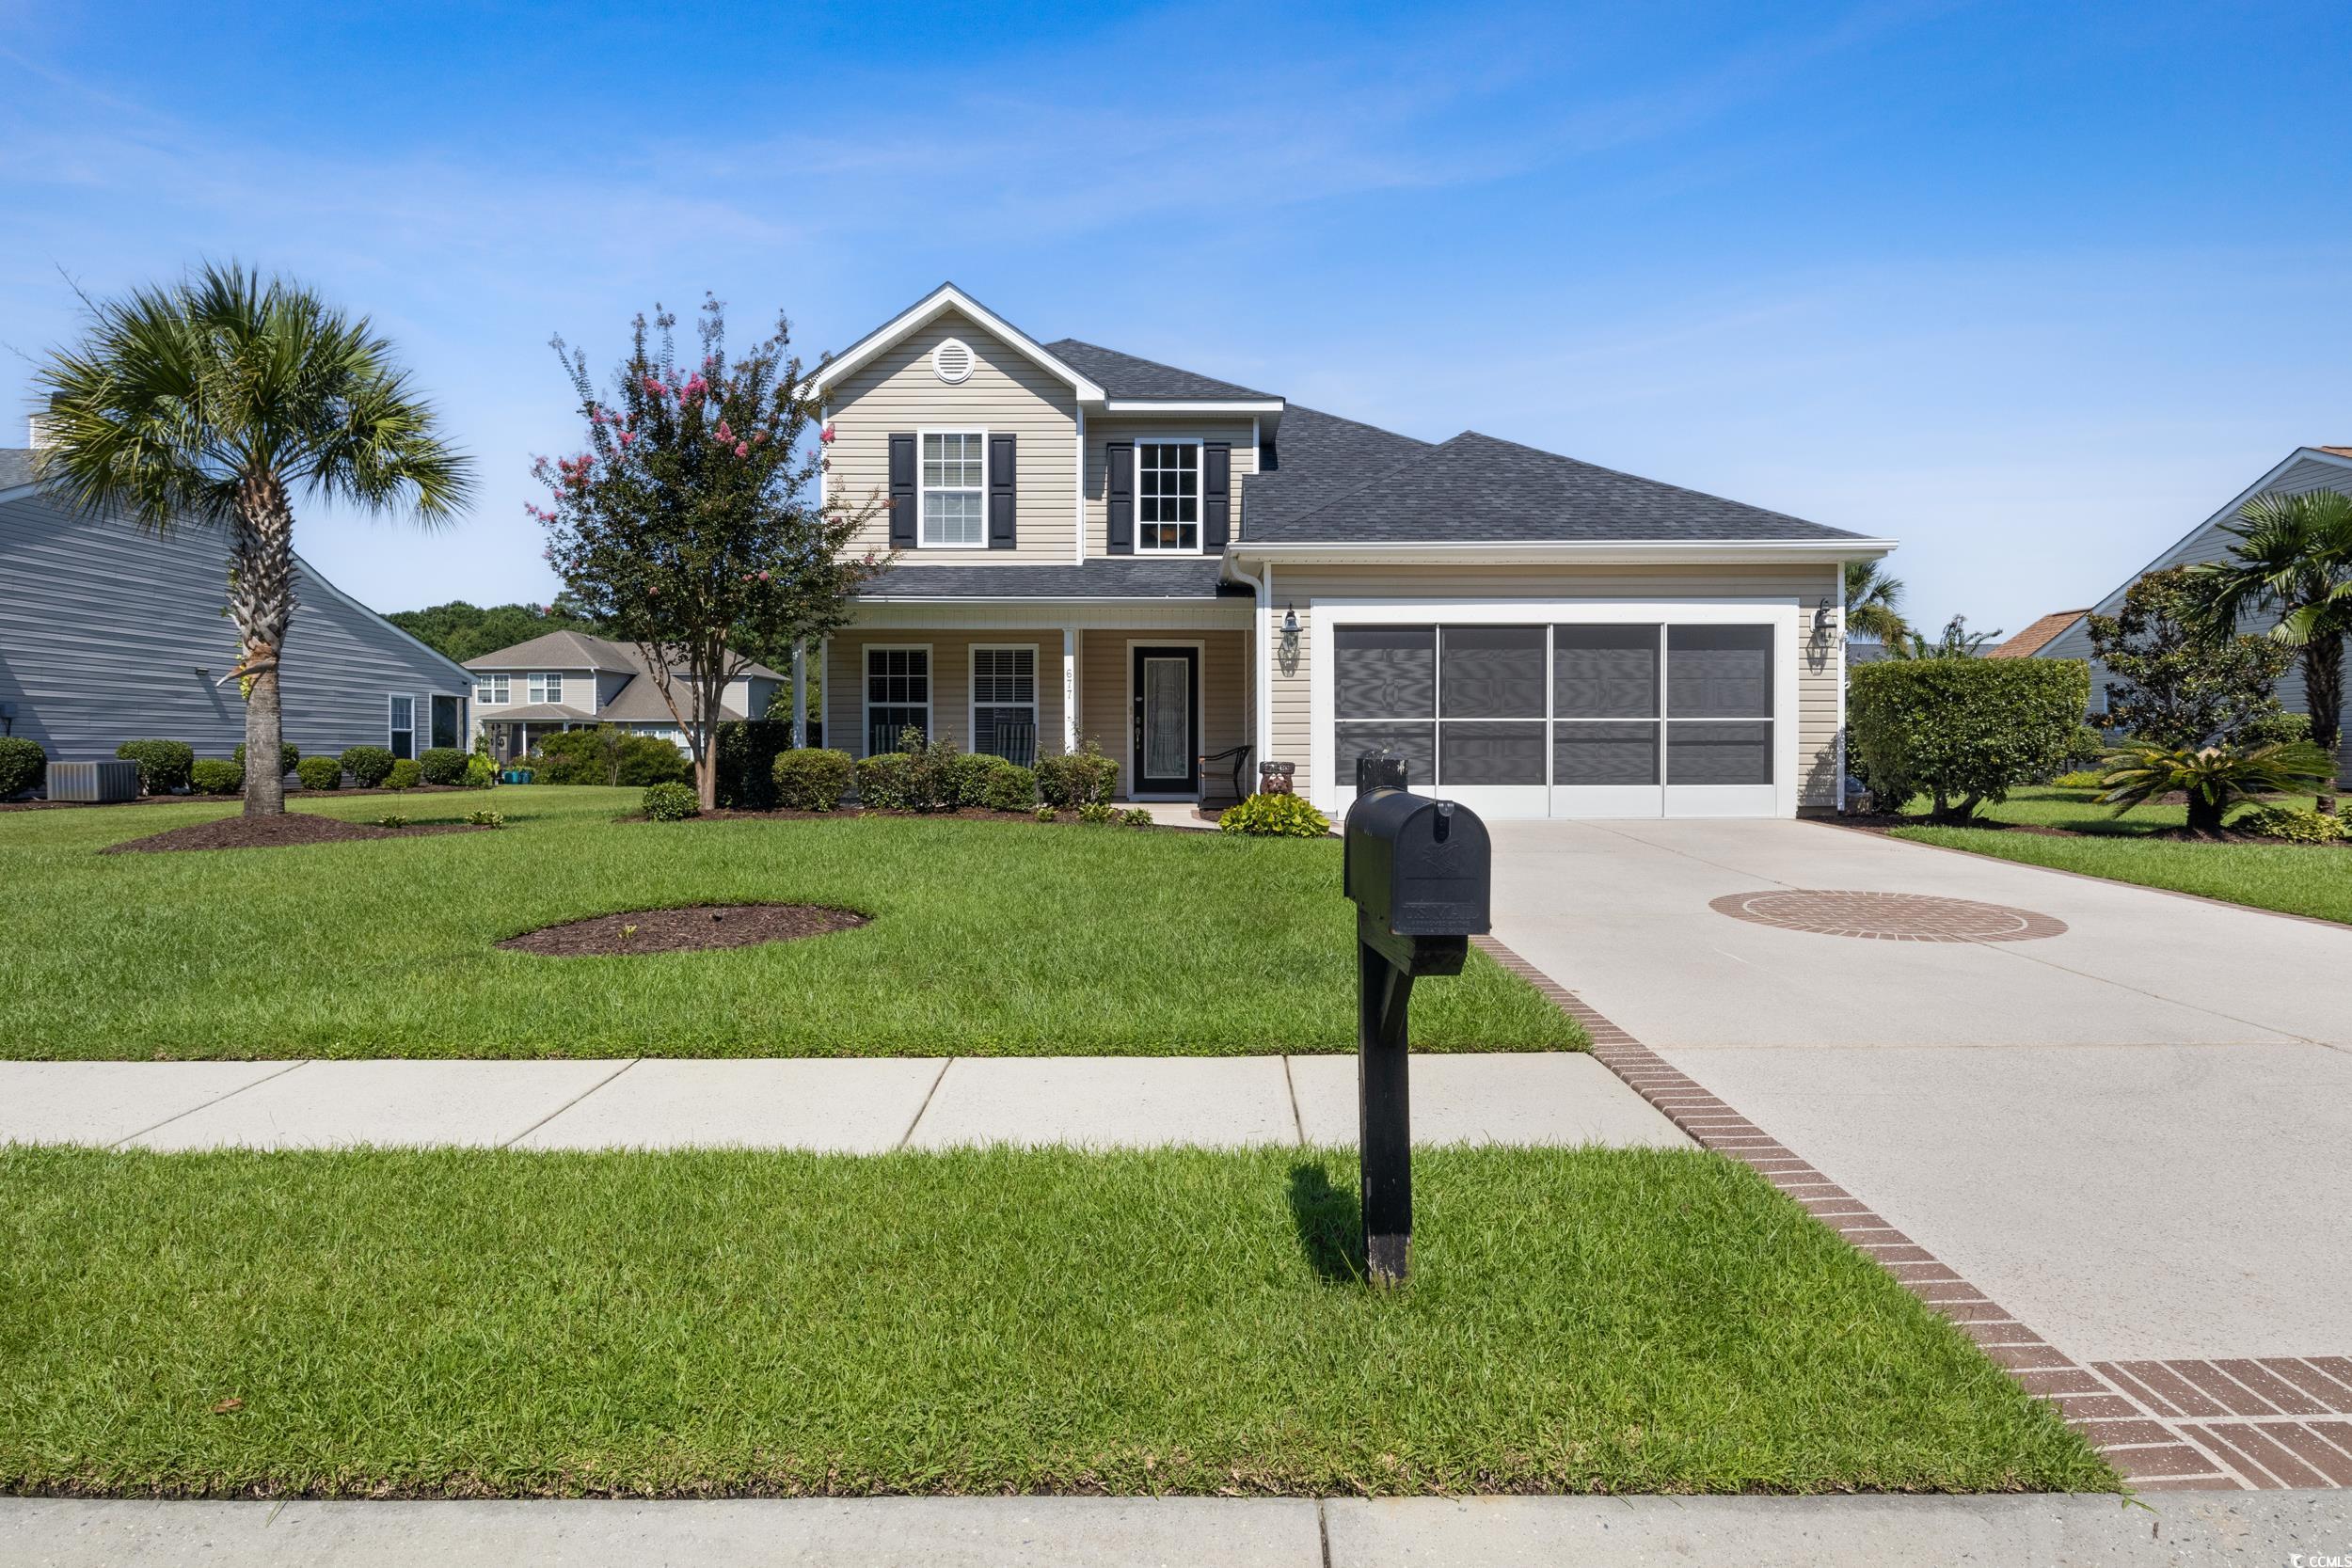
(2323, 693)
(262, 603)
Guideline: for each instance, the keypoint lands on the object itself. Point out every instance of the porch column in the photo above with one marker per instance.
(799, 695)
(1070, 689)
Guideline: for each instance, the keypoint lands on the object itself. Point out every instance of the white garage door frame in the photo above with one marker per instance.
(1332, 794)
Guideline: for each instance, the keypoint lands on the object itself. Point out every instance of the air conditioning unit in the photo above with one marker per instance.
(95, 783)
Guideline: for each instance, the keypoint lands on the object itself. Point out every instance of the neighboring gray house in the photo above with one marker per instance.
(2303, 470)
(567, 680)
(108, 634)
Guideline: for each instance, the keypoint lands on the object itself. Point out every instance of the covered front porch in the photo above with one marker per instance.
(1165, 690)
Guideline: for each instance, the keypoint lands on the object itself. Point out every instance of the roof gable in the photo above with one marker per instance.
(2324, 467)
(939, 302)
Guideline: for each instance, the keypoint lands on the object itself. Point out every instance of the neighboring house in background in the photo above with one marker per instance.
(108, 634)
(2302, 472)
(569, 680)
(1195, 574)
(2037, 637)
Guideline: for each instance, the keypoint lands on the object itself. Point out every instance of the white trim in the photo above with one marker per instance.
(972, 689)
(1196, 405)
(1070, 689)
(922, 436)
(392, 729)
(503, 686)
(1127, 760)
(2301, 454)
(1199, 494)
(866, 691)
(971, 360)
(1783, 612)
(1628, 551)
(1078, 497)
(931, 306)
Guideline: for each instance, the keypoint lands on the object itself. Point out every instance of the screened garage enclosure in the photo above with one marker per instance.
(1685, 711)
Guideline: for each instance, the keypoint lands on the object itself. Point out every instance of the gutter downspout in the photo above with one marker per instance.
(1261, 661)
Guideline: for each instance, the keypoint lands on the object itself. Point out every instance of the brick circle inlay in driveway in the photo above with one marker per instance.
(1887, 916)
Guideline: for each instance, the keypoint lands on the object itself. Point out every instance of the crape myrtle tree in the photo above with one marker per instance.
(218, 401)
(689, 524)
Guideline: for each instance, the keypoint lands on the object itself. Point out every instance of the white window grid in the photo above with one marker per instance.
(1168, 497)
(952, 489)
(492, 691)
(546, 686)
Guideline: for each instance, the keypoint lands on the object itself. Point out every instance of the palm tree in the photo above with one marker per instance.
(1874, 603)
(2292, 559)
(214, 402)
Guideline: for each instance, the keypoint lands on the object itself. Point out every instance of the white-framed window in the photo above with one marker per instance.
(1003, 702)
(400, 726)
(545, 686)
(1168, 497)
(490, 690)
(898, 694)
(954, 485)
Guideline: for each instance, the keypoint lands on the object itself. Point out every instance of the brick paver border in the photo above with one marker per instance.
(2223, 1425)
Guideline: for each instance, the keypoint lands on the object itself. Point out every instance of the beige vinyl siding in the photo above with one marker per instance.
(1104, 671)
(1819, 676)
(951, 681)
(1006, 393)
(1103, 429)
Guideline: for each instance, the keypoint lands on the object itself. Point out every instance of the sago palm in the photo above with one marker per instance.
(1874, 603)
(2292, 559)
(216, 401)
(2212, 778)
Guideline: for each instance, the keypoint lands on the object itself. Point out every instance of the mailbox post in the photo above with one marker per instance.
(1418, 871)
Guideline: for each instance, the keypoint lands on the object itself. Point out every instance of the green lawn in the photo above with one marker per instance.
(2290, 878)
(484, 1323)
(988, 938)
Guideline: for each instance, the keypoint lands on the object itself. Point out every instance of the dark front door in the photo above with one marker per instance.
(1165, 688)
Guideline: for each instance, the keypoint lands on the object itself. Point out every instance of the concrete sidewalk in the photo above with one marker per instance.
(1195, 1532)
(863, 1106)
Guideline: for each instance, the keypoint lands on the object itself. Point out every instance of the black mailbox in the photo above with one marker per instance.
(1421, 873)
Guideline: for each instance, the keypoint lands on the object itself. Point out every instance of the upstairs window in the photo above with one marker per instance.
(490, 690)
(1168, 497)
(955, 477)
(546, 686)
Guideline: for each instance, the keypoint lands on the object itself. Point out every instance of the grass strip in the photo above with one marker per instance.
(472, 1323)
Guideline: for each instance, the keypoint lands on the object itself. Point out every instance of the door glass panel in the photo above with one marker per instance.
(1416, 743)
(1604, 754)
(1718, 673)
(1492, 672)
(1384, 672)
(1604, 672)
(444, 721)
(1166, 718)
(1737, 754)
(1490, 753)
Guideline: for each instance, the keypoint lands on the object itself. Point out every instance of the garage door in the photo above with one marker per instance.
(1582, 717)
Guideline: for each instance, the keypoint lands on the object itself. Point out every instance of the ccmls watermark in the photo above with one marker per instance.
(2319, 1559)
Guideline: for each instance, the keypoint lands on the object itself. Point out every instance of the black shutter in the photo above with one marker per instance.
(1216, 494)
(902, 494)
(1000, 493)
(1118, 496)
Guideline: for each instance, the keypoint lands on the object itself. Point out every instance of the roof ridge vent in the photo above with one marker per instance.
(951, 361)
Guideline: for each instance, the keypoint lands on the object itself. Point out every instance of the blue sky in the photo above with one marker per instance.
(2031, 288)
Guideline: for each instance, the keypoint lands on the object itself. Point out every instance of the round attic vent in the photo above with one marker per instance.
(951, 361)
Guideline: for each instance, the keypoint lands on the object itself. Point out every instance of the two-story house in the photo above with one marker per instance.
(1094, 546)
(569, 680)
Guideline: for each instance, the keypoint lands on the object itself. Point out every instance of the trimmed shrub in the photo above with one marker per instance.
(1075, 778)
(1046, 814)
(287, 749)
(1137, 817)
(217, 776)
(885, 783)
(485, 818)
(811, 778)
(442, 765)
(1274, 817)
(23, 765)
(1964, 730)
(2295, 824)
(1009, 787)
(2275, 729)
(606, 754)
(2088, 777)
(918, 776)
(320, 773)
(672, 802)
(367, 765)
(747, 752)
(163, 765)
(406, 773)
(1097, 812)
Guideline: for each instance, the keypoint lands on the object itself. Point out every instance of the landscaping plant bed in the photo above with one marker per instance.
(695, 928)
(483, 1323)
(293, 793)
(267, 833)
(1877, 823)
(1061, 818)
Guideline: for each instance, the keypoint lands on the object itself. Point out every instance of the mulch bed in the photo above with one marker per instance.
(267, 833)
(961, 814)
(291, 794)
(1876, 823)
(692, 930)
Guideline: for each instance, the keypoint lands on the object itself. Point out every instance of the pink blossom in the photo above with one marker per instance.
(725, 433)
(742, 449)
(653, 384)
(763, 577)
(826, 434)
(626, 436)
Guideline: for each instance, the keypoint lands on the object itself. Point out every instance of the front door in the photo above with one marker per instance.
(1165, 756)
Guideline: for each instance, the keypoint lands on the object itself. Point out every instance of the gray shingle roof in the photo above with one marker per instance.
(16, 467)
(1316, 457)
(1123, 375)
(1475, 488)
(1124, 577)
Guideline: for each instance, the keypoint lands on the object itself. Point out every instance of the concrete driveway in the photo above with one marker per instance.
(2133, 1133)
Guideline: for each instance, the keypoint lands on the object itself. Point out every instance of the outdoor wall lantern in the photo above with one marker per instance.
(1290, 630)
(1820, 620)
